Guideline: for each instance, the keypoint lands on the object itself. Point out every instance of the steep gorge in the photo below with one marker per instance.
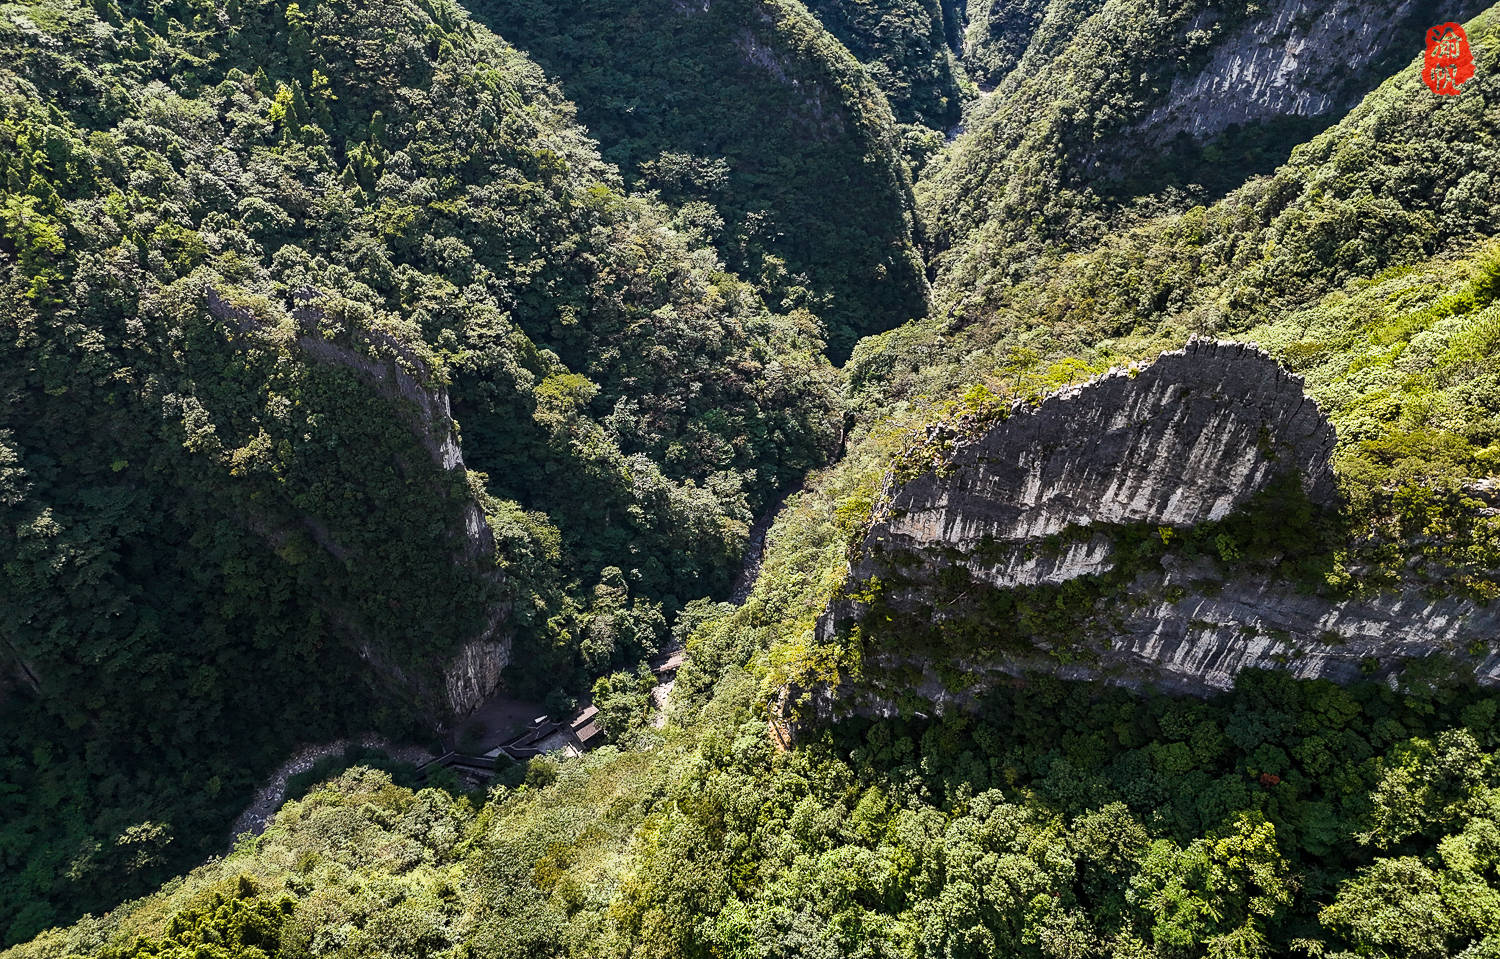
(427, 252)
(773, 141)
(339, 374)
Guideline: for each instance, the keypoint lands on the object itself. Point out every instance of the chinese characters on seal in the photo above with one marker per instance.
(1448, 63)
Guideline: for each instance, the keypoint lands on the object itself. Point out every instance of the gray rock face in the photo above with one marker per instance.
(1202, 641)
(1183, 441)
(474, 673)
(1302, 58)
(1187, 439)
(1198, 643)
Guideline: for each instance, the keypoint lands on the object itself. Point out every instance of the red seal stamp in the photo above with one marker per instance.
(1448, 61)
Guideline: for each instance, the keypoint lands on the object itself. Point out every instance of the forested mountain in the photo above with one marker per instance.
(346, 359)
(251, 253)
(907, 45)
(760, 126)
(1107, 113)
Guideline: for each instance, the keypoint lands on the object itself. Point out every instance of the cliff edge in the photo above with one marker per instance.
(1104, 533)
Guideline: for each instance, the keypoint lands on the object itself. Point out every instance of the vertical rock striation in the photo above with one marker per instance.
(404, 378)
(1293, 58)
(1039, 499)
(1185, 440)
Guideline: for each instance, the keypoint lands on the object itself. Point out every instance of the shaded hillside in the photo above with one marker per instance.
(905, 48)
(256, 259)
(779, 146)
(997, 33)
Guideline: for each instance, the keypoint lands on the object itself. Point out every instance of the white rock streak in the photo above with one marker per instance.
(1183, 441)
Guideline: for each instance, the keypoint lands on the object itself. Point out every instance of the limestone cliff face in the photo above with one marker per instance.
(1183, 441)
(396, 372)
(1197, 641)
(1193, 438)
(1256, 77)
(1293, 58)
(474, 673)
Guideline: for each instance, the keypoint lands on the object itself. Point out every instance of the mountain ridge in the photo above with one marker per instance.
(616, 376)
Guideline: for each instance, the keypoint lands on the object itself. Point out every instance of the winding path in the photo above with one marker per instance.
(269, 797)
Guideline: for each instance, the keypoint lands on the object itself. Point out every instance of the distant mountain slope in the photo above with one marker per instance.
(905, 46)
(750, 107)
(274, 278)
(1101, 107)
(1367, 263)
(1404, 175)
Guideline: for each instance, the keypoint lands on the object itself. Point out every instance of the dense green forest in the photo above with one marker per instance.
(1061, 155)
(1282, 819)
(268, 267)
(906, 45)
(250, 251)
(761, 127)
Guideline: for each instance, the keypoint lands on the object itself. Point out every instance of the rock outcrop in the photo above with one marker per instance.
(1200, 436)
(396, 372)
(474, 673)
(1293, 58)
(1195, 641)
(1186, 440)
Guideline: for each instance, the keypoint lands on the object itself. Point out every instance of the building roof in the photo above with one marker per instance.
(588, 733)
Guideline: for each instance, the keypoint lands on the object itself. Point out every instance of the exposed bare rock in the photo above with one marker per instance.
(401, 375)
(1187, 440)
(1303, 58)
(474, 673)
(1198, 643)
